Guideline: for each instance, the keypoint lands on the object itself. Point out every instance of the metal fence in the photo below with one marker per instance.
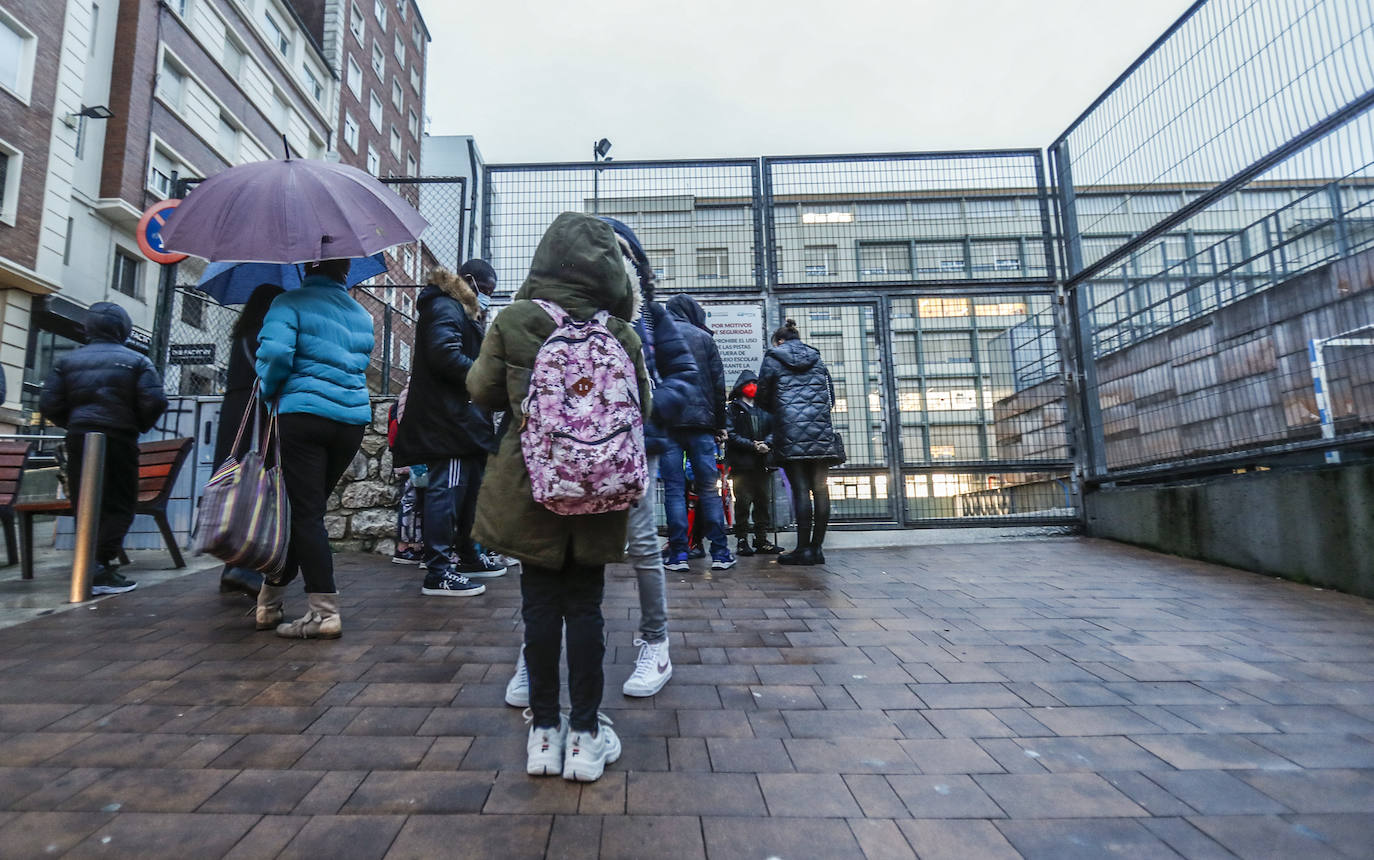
(1216, 218)
(924, 279)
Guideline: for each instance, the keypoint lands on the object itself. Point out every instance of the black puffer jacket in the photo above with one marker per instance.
(747, 424)
(441, 422)
(706, 410)
(104, 386)
(796, 389)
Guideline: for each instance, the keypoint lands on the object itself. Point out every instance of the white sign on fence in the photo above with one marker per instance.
(739, 336)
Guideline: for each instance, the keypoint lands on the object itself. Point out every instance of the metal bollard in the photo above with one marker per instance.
(88, 515)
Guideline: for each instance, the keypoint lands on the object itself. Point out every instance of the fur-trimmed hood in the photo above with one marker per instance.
(455, 287)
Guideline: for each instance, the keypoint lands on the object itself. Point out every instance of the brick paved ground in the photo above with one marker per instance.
(1055, 698)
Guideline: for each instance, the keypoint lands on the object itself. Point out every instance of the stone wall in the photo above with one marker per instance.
(362, 511)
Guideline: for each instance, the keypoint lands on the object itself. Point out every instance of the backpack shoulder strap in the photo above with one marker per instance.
(556, 313)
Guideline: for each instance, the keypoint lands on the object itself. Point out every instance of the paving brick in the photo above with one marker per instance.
(957, 840)
(737, 839)
(1068, 795)
(626, 837)
(1266, 836)
(807, 795)
(694, 794)
(944, 796)
(353, 836)
(1316, 791)
(1069, 839)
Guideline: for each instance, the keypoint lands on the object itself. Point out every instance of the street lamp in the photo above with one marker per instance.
(97, 112)
(599, 150)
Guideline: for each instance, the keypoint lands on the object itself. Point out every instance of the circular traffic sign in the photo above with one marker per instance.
(149, 232)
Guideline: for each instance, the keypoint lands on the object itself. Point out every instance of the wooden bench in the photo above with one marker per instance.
(159, 463)
(13, 456)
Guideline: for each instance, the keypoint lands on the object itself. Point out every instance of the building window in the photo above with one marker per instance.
(379, 9)
(192, 309)
(401, 9)
(125, 277)
(885, 260)
(171, 83)
(712, 264)
(413, 124)
(356, 22)
(399, 49)
(234, 54)
(374, 161)
(378, 60)
(16, 56)
(228, 138)
(661, 261)
(412, 166)
(374, 110)
(312, 83)
(276, 35)
(11, 165)
(95, 30)
(820, 260)
(355, 78)
(350, 132)
(395, 142)
(162, 171)
(415, 79)
(826, 215)
(398, 95)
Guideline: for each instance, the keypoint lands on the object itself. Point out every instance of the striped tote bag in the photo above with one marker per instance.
(245, 517)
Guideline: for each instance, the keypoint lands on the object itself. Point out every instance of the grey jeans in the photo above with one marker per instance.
(643, 550)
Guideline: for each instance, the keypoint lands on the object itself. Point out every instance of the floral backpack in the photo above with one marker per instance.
(583, 433)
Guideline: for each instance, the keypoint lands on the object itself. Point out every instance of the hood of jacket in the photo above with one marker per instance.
(578, 266)
(108, 322)
(744, 377)
(443, 282)
(686, 309)
(796, 355)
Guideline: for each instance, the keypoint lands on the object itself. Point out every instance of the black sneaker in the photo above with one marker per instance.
(696, 552)
(108, 580)
(482, 566)
(409, 555)
(766, 547)
(447, 583)
(742, 547)
(799, 556)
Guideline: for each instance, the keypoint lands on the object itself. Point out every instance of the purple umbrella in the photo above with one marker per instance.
(294, 211)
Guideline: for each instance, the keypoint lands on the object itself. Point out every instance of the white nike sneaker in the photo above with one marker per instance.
(544, 747)
(518, 688)
(586, 755)
(652, 669)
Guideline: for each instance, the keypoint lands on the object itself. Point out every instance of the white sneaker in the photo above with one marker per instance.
(544, 748)
(652, 669)
(518, 688)
(586, 755)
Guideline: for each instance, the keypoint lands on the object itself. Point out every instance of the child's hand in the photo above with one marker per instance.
(761, 447)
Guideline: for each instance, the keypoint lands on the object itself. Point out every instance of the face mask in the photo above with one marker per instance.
(749, 389)
(483, 301)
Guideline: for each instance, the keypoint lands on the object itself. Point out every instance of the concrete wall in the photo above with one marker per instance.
(1310, 525)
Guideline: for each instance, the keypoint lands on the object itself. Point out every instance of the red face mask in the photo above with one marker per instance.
(749, 389)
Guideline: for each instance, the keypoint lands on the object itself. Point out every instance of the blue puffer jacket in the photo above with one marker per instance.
(672, 369)
(313, 352)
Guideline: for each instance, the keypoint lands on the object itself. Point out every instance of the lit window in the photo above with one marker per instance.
(374, 161)
(124, 279)
(1000, 309)
(356, 22)
(820, 260)
(395, 142)
(312, 83)
(355, 78)
(399, 49)
(712, 263)
(413, 124)
(398, 95)
(379, 9)
(942, 308)
(276, 35)
(350, 132)
(374, 110)
(378, 60)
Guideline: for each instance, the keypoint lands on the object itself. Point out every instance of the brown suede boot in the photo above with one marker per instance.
(320, 622)
(270, 613)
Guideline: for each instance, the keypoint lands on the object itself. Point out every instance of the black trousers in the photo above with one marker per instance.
(315, 453)
(751, 492)
(450, 507)
(807, 478)
(121, 488)
(550, 600)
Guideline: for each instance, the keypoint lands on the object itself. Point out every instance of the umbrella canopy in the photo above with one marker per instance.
(233, 283)
(292, 211)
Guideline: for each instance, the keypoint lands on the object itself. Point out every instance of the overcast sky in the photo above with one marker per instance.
(540, 80)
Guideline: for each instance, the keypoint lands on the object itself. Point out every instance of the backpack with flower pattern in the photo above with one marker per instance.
(583, 432)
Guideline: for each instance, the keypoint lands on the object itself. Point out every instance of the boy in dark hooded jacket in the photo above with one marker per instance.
(747, 453)
(105, 387)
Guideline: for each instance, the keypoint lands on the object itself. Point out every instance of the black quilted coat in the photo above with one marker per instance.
(796, 389)
(104, 386)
